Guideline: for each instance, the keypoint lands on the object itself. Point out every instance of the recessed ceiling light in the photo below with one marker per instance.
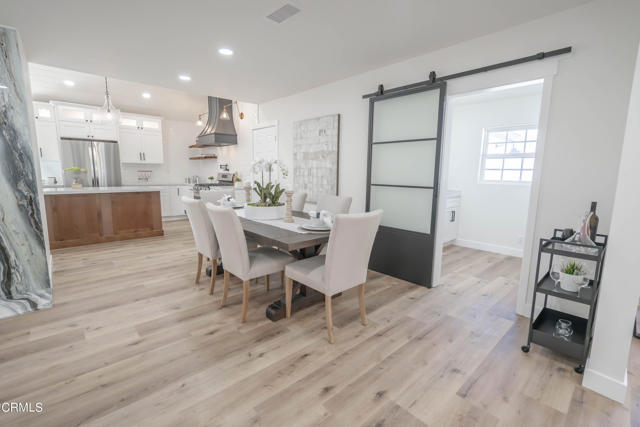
(146, 95)
(3, 87)
(69, 83)
(225, 51)
(184, 78)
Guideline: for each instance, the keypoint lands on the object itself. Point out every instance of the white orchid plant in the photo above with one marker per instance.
(269, 193)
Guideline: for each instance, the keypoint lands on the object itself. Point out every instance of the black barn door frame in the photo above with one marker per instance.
(389, 240)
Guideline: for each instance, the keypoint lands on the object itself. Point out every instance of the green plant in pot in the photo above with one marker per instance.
(268, 205)
(573, 276)
(76, 173)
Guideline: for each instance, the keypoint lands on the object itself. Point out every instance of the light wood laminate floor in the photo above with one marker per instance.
(132, 341)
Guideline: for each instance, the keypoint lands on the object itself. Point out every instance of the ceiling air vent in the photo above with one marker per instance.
(284, 13)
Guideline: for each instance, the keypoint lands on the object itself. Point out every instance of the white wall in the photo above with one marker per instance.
(587, 114)
(606, 370)
(492, 216)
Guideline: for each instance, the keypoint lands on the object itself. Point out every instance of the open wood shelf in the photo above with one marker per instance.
(202, 146)
(208, 156)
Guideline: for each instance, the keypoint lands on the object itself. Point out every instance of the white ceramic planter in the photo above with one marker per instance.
(264, 212)
(570, 282)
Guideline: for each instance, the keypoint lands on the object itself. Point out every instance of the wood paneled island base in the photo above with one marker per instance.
(83, 219)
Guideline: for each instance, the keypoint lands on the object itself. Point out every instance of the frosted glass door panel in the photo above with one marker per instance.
(404, 208)
(407, 117)
(403, 163)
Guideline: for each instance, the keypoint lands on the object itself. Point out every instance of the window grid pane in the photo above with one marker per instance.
(508, 155)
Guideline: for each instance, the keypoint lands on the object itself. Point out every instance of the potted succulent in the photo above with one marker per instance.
(268, 205)
(211, 179)
(76, 173)
(572, 276)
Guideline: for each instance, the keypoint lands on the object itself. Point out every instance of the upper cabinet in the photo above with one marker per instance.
(46, 133)
(77, 121)
(140, 139)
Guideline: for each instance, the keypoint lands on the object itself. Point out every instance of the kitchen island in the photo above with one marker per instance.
(89, 215)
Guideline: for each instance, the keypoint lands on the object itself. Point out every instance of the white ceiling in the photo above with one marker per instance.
(153, 41)
(47, 84)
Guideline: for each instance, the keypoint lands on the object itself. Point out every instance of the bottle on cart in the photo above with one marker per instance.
(593, 221)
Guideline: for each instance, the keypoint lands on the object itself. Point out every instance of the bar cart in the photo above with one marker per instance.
(541, 328)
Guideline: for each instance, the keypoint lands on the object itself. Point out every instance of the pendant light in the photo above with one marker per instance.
(108, 107)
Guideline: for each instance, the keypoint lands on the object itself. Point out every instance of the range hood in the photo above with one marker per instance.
(218, 131)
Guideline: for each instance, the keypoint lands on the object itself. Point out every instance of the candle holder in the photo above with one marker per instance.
(247, 193)
(288, 197)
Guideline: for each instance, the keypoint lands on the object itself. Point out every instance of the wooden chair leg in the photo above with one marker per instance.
(363, 312)
(214, 270)
(266, 282)
(225, 291)
(199, 267)
(245, 299)
(288, 291)
(329, 315)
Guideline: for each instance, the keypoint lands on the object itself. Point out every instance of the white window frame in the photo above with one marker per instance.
(484, 156)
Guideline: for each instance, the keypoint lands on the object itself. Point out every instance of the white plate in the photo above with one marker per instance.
(315, 227)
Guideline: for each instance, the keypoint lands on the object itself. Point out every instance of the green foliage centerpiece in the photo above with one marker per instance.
(268, 205)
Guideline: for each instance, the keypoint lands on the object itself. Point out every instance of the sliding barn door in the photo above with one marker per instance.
(405, 131)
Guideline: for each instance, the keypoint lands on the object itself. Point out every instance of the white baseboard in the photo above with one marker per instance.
(489, 247)
(605, 385)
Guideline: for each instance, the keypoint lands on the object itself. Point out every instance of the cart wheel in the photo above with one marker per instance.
(525, 348)
(579, 369)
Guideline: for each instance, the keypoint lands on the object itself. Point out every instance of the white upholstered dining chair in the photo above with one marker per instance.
(204, 236)
(237, 259)
(343, 267)
(298, 200)
(333, 204)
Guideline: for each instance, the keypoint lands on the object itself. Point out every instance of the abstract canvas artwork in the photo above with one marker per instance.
(315, 156)
(25, 285)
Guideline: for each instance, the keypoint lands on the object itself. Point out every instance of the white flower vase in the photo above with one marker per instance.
(572, 282)
(264, 213)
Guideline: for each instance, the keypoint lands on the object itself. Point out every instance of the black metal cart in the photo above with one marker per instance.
(541, 328)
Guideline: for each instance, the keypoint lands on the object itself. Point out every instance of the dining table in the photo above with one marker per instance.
(299, 244)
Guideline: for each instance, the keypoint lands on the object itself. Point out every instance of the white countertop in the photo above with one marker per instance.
(93, 190)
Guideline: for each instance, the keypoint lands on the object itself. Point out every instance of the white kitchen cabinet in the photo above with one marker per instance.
(174, 205)
(76, 121)
(46, 133)
(104, 132)
(73, 129)
(142, 136)
(152, 147)
(452, 217)
(130, 145)
(165, 201)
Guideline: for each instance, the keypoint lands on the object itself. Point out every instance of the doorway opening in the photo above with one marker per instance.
(491, 143)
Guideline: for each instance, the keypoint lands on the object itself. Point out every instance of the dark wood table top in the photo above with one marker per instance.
(270, 235)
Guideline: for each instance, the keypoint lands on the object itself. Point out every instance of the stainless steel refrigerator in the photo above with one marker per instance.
(101, 159)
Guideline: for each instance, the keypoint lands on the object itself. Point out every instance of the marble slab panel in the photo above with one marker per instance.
(25, 284)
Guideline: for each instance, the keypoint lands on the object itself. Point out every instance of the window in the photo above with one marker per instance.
(508, 154)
